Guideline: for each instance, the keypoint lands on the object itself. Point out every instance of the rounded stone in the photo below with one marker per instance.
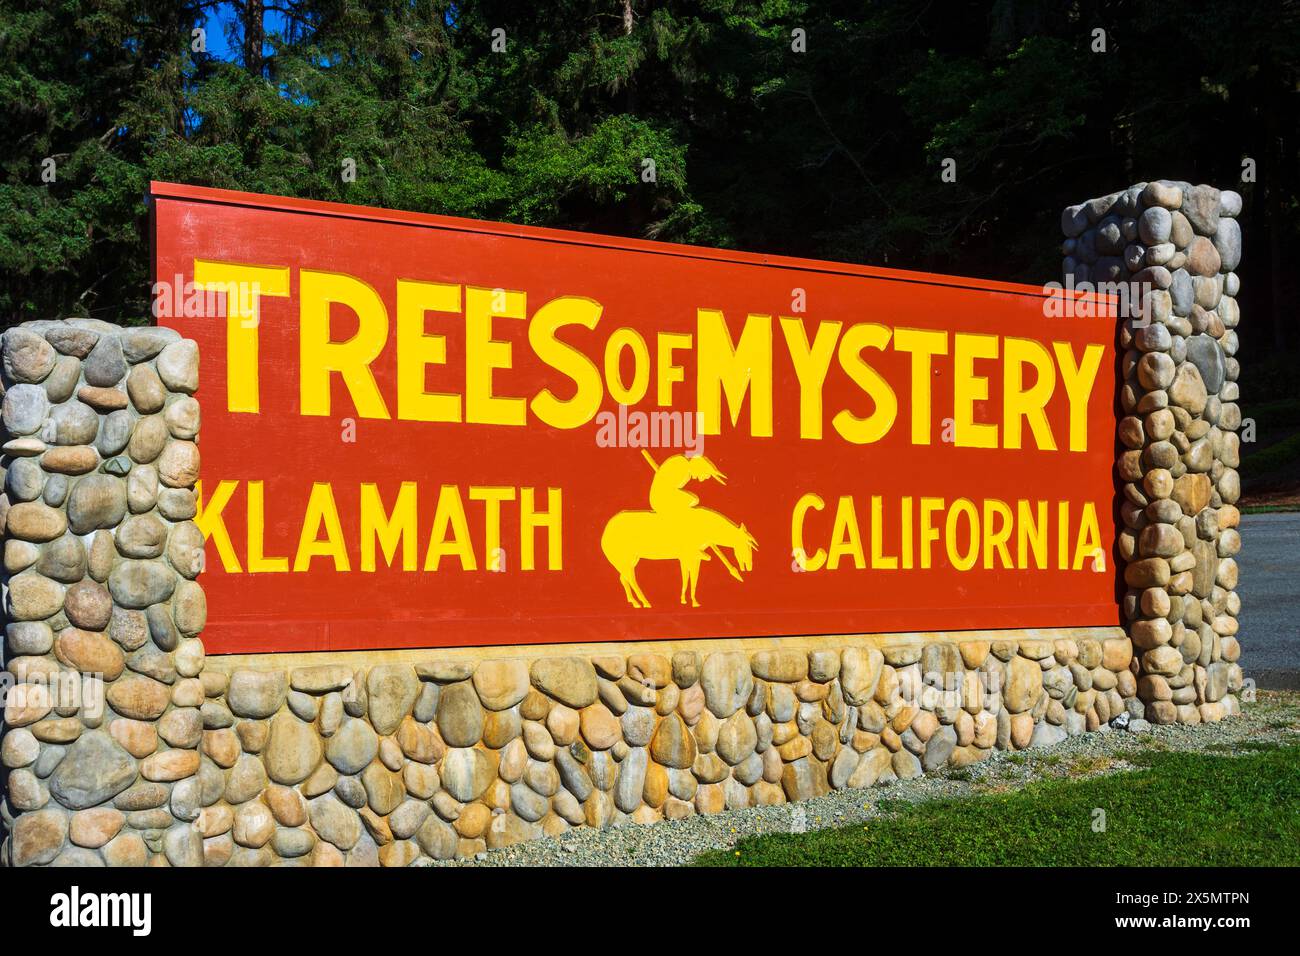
(256, 694)
(35, 521)
(95, 770)
(89, 653)
(97, 501)
(178, 366)
(28, 357)
(177, 504)
(142, 344)
(63, 559)
(185, 549)
(178, 465)
(437, 839)
(94, 827)
(466, 773)
(1188, 389)
(29, 637)
(352, 747)
(391, 690)
(570, 680)
(1162, 194)
(20, 748)
(24, 481)
(246, 780)
(600, 728)
(460, 718)
(37, 836)
(24, 409)
(1202, 257)
(501, 684)
(105, 365)
(182, 417)
(293, 750)
(253, 825)
(638, 726)
(148, 439)
(1155, 371)
(115, 433)
(148, 394)
(737, 738)
(727, 682)
(141, 536)
(56, 488)
(1201, 206)
(139, 697)
(138, 584)
(189, 657)
(161, 628)
(102, 399)
(170, 765)
(1155, 225)
(189, 608)
(66, 460)
(33, 597)
(75, 423)
(334, 822)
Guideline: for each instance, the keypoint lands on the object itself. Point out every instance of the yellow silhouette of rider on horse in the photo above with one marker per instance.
(676, 527)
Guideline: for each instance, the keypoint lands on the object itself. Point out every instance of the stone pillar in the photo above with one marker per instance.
(102, 729)
(1178, 468)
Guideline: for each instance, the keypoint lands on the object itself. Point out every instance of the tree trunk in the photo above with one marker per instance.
(254, 35)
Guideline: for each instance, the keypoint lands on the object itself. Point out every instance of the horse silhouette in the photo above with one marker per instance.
(684, 535)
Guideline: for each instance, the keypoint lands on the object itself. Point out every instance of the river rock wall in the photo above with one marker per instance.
(1181, 244)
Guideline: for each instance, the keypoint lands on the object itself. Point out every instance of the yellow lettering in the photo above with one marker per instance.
(244, 286)
(668, 373)
(845, 537)
(319, 356)
(1028, 403)
(484, 354)
(929, 533)
(564, 358)
(959, 560)
(401, 526)
(1078, 381)
(450, 515)
(530, 519)
(879, 559)
(923, 345)
(416, 350)
(969, 388)
(492, 499)
(864, 431)
(810, 366)
(630, 339)
(259, 563)
(734, 369)
(801, 508)
(321, 510)
(997, 532)
(213, 526)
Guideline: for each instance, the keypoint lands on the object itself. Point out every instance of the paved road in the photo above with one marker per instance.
(1270, 599)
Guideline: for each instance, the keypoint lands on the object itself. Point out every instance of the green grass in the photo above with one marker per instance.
(1180, 809)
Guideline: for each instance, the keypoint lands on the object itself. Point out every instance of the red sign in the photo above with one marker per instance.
(423, 431)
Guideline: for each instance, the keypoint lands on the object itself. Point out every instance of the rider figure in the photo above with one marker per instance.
(668, 494)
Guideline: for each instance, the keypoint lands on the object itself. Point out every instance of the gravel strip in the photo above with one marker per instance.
(1275, 717)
